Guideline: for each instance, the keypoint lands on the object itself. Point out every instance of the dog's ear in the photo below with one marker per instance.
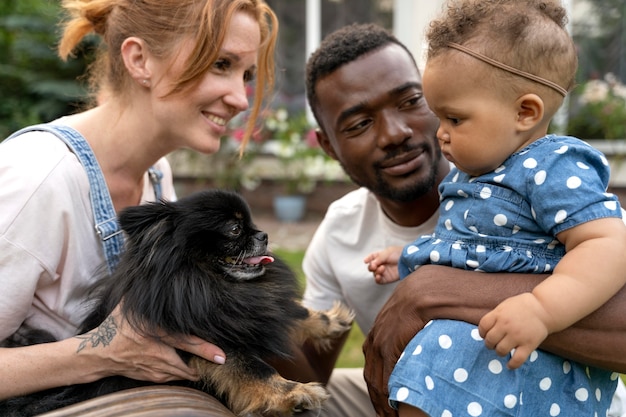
(137, 219)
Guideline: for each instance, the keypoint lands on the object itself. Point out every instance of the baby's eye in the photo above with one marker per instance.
(454, 120)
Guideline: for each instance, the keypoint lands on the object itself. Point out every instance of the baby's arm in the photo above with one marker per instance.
(589, 274)
(384, 264)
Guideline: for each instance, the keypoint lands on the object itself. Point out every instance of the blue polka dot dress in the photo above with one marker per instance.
(506, 220)
(447, 371)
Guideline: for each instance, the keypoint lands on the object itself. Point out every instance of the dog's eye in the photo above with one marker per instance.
(236, 230)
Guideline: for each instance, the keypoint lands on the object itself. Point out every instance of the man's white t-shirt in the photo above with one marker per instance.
(49, 248)
(353, 227)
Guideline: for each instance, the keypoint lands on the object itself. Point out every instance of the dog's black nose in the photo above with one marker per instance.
(262, 236)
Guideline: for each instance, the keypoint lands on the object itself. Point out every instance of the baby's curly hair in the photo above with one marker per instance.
(529, 35)
(341, 47)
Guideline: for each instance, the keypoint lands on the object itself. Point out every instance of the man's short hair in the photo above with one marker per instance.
(341, 47)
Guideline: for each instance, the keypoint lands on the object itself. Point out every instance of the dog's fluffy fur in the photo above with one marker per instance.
(200, 267)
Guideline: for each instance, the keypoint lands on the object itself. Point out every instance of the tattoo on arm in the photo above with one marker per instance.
(101, 335)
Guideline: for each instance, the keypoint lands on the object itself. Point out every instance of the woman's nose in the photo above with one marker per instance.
(237, 97)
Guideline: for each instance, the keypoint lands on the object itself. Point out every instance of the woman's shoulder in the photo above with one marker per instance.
(34, 148)
(160, 173)
(32, 157)
(38, 165)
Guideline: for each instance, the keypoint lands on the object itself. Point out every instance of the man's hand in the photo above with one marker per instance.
(439, 292)
(428, 293)
(395, 326)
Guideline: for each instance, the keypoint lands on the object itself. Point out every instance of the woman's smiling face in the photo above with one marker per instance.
(196, 117)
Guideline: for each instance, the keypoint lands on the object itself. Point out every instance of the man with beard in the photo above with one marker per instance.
(365, 91)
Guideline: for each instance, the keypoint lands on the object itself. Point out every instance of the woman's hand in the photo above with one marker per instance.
(126, 352)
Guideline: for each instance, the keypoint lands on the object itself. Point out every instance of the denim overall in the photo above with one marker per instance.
(106, 224)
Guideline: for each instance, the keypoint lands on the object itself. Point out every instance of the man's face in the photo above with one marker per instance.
(376, 123)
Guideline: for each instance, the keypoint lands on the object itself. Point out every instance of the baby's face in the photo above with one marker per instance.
(478, 128)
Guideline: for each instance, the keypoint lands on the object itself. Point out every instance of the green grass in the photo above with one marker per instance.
(352, 354)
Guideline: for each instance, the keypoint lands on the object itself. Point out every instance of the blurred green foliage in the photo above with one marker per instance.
(35, 85)
(599, 109)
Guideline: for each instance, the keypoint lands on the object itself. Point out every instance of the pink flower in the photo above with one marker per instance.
(237, 134)
(311, 139)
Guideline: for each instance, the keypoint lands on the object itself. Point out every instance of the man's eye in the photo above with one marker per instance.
(355, 127)
(413, 101)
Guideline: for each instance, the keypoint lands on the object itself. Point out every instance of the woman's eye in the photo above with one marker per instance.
(221, 64)
(249, 76)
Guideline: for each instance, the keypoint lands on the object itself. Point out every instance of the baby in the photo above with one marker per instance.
(519, 199)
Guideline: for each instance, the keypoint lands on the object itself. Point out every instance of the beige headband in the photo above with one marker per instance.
(508, 68)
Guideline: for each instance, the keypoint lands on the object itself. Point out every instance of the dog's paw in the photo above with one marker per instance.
(340, 320)
(309, 396)
(276, 397)
(321, 328)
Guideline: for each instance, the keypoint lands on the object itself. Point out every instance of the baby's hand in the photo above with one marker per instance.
(515, 324)
(384, 264)
(386, 274)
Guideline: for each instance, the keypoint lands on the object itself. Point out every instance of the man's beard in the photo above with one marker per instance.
(405, 194)
(399, 194)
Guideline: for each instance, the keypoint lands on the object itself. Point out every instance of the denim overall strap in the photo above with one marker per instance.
(104, 214)
(155, 176)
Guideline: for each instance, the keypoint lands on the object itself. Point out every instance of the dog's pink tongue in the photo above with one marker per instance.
(255, 260)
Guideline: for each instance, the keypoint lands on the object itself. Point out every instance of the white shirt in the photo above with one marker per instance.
(353, 227)
(49, 249)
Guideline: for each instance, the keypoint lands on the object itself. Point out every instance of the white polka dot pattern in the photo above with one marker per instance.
(507, 220)
(451, 373)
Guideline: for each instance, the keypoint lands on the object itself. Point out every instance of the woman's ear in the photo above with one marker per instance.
(530, 111)
(325, 144)
(135, 56)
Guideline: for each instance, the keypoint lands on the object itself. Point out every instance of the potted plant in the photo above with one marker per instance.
(291, 140)
(290, 157)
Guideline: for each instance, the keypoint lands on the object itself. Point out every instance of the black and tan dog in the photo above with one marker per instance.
(200, 267)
